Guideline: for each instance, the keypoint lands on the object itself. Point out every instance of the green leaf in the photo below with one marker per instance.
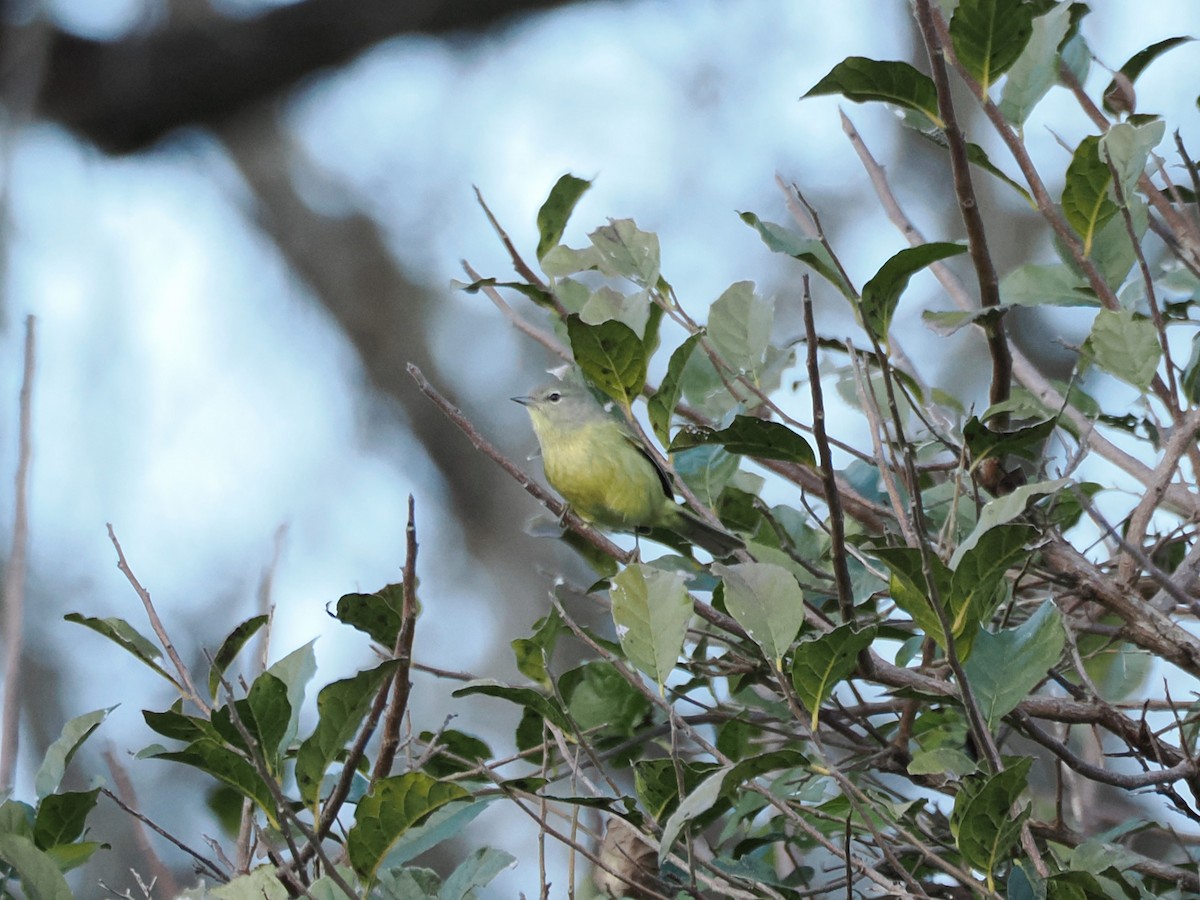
(908, 587)
(657, 783)
(860, 79)
(71, 856)
(625, 251)
(706, 470)
(562, 260)
(767, 601)
(556, 211)
(228, 767)
(409, 883)
(1126, 345)
(978, 583)
(1027, 442)
(977, 157)
(982, 822)
(809, 251)
(62, 751)
(1137, 63)
(611, 355)
(1085, 199)
(989, 36)
(230, 648)
(694, 805)
(1036, 69)
(37, 873)
(476, 871)
(951, 321)
(538, 295)
(341, 708)
(739, 327)
(651, 610)
(881, 294)
(377, 614)
(606, 304)
(750, 436)
(295, 670)
(526, 697)
(1005, 509)
(61, 818)
(258, 884)
(819, 665)
(942, 761)
(1007, 665)
(395, 805)
(171, 723)
(126, 637)
(456, 752)
(271, 713)
(1128, 148)
(661, 406)
(1112, 250)
(532, 653)
(1035, 284)
(444, 824)
(599, 697)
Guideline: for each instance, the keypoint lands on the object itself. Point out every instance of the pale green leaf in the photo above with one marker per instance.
(1126, 345)
(1036, 284)
(606, 304)
(1036, 69)
(739, 326)
(767, 601)
(1128, 147)
(59, 754)
(651, 609)
(625, 251)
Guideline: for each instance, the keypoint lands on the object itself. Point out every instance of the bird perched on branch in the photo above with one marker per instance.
(607, 477)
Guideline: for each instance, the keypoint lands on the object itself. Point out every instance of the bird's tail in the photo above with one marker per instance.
(717, 541)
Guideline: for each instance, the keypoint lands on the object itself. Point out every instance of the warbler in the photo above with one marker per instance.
(606, 476)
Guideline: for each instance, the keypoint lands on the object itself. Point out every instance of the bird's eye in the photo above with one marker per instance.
(554, 396)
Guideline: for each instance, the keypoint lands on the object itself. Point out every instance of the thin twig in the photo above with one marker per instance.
(14, 573)
(837, 522)
(122, 783)
(156, 623)
(207, 864)
(402, 651)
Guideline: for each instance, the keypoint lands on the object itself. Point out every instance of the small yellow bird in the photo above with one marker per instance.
(606, 476)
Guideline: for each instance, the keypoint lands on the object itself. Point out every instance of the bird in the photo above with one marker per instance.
(605, 474)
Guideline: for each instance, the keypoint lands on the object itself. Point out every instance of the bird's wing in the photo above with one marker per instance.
(662, 475)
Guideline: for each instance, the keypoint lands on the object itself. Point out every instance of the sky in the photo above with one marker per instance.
(190, 392)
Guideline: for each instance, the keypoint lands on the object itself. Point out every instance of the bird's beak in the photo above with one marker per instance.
(524, 401)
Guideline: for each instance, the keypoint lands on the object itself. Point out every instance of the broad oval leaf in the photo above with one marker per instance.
(989, 36)
(1086, 200)
(767, 601)
(651, 609)
(611, 355)
(395, 805)
(860, 79)
(881, 294)
(556, 211)
(1007, 665)
(750, 436)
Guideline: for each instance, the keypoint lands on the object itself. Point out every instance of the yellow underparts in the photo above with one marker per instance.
(605, 478)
